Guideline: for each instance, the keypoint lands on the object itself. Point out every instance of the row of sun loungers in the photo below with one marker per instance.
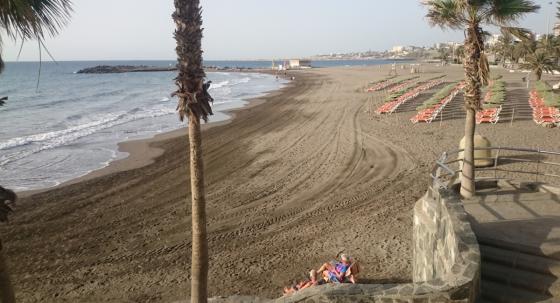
(489, 115)
(541, 113)
(391, 106)
(429, 114)
(401, 86)
(380, 86)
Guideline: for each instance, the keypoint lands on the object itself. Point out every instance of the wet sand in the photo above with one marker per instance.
(300, 175)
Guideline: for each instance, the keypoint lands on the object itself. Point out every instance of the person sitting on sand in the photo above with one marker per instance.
(312, 281)
(340, 272)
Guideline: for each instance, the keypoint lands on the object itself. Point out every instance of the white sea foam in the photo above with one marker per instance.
(54, 139)
(230, 83)
(219, 84)
(242, 80)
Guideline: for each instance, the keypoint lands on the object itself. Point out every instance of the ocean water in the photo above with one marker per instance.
(72, 123)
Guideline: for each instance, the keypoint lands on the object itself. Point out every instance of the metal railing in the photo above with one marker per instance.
(535, 162)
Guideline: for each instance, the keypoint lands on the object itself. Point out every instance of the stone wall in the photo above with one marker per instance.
(444, 244)
(446, 262)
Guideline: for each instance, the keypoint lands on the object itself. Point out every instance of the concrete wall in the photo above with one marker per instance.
(446, 262)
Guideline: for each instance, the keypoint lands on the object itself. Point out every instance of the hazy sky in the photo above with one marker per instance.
(247, 29)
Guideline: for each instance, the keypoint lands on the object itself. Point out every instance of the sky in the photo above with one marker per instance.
(247, 29)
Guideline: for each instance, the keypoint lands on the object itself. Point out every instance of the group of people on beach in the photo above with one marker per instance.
(343, 271)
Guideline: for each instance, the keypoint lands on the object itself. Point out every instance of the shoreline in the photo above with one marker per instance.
(142, 152)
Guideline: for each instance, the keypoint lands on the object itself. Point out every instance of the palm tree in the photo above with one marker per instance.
(523, 48)
(505, 48)
(460, 54)
(25, 19)
(469, 15)
(194, 103)
(443, 55)
(7, 197)
(539, 61)
(551, 45)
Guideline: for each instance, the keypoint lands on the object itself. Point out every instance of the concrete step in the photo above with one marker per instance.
(500, 293)
(520, 279)
(514, 247)
(519, 260)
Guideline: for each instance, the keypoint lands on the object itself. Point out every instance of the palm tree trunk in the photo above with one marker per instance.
(194, 104)
(467, 178)
(6, 291)
(473, 47)
(539, 75)
(199, 265)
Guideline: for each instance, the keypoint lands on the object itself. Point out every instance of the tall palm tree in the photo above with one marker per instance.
(25, 19)
(460, 54)
(194, 103)
(550, 44)
(443, 55)
(470, 15)
(7, 197)
(505, 48)
(524, 48)
(539, 61)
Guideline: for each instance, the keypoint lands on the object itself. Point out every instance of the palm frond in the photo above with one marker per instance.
(504, 12)
(30, 19)
(520, 33)
(445, 13)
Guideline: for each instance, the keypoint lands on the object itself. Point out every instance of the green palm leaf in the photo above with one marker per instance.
(32, 19)
(445, 13)
(504, 12)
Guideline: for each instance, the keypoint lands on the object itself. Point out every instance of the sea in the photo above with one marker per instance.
(58, 125)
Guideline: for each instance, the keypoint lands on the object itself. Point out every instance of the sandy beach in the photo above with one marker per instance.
(296, 177)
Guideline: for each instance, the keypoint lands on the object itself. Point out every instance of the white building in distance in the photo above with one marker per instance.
(299, 63)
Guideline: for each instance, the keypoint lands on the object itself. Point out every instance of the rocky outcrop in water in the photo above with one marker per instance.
(117, 69)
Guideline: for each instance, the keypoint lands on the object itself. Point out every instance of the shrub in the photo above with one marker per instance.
(550, 98)
(437, 97)
(497, 91)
